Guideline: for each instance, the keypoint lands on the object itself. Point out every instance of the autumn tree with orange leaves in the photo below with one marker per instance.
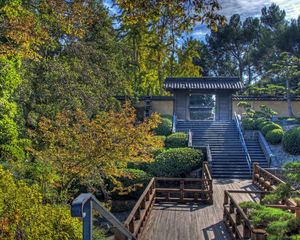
(79, 148)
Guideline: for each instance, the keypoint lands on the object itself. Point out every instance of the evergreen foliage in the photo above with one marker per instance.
(177, 140)
(176, 162)
(274, 136)
(291, 141)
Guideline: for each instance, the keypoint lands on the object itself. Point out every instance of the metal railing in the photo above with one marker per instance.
(238, 125)
(190, 141)
(83, 206)
(174, 119)
(266, 148)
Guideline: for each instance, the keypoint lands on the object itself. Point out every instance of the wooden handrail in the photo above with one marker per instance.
(206, 172)
(265, 180)
(236, 218)
(141, 210)
(83, 207)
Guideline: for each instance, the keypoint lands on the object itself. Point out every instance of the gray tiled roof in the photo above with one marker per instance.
(233, 83)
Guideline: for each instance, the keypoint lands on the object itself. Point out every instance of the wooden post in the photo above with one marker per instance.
(231, 206)
(238, 217)
(181, 190)
(246, 231)
(225, 197)
(131, 226)
(259, 234)
(118, 235)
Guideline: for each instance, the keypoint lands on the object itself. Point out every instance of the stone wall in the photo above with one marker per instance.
(165, 106)
(278, 106)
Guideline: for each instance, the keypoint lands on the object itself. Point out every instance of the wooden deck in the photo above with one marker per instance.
(173, 221)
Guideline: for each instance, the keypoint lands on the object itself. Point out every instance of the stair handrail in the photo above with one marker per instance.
(83, 206)
(266, 148)
(190, 139)
(174, 119)
(242, 140)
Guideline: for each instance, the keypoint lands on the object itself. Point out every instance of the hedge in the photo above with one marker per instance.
(291, 141)
(176, 162)
(248, 124)
(262, 124)
(269, 127)
(259, 121)
(177, 140)
(164, 128)
(275, 136)
(134, 182)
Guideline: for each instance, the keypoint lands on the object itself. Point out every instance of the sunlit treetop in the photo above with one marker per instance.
(30, 26)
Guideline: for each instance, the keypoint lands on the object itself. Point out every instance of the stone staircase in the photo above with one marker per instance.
(256, 153)
(228, 157)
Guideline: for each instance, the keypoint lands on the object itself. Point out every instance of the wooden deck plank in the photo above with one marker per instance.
(171, 221)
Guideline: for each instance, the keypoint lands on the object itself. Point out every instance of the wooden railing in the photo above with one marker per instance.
(264, 180)
(179, 190)
(267, 181)
(83, 206)
(140, 213)
(236, 219)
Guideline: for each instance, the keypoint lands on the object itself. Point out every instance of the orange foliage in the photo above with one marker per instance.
(78, 147)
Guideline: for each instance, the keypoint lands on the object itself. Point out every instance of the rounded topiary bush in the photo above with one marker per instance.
(167, 116)
(291, 141)
(134, 181)
(248, 123)
(269, 127)
(177, 140)
(262, 124)
(259, 121)
(176, 162)
(275, 136)
(164, 128)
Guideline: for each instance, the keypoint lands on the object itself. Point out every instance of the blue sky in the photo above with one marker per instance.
(245, 8)
(248, 8)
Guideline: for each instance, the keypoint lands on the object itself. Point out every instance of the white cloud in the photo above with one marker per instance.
(250, 8)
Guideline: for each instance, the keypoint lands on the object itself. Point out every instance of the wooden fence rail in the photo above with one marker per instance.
(265, 180)
(181, 190)
(236, 219)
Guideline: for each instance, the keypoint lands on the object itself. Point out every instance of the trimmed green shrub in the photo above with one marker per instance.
(262, 124)
(162, 138)
(167, 116)
(134, 181)
(259, 121)
(176, 162)
(269, 127)
(275, 136)
(164, 128)
(291, 141)
(177, 140)
(278, 223)
(248, 124)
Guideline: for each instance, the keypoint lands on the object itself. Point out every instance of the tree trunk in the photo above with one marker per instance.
(289, 99)
(159, 75)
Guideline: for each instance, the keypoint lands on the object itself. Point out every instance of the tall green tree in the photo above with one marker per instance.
(287, 69)
(153, 29)
(232, 46)
(84, 73)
